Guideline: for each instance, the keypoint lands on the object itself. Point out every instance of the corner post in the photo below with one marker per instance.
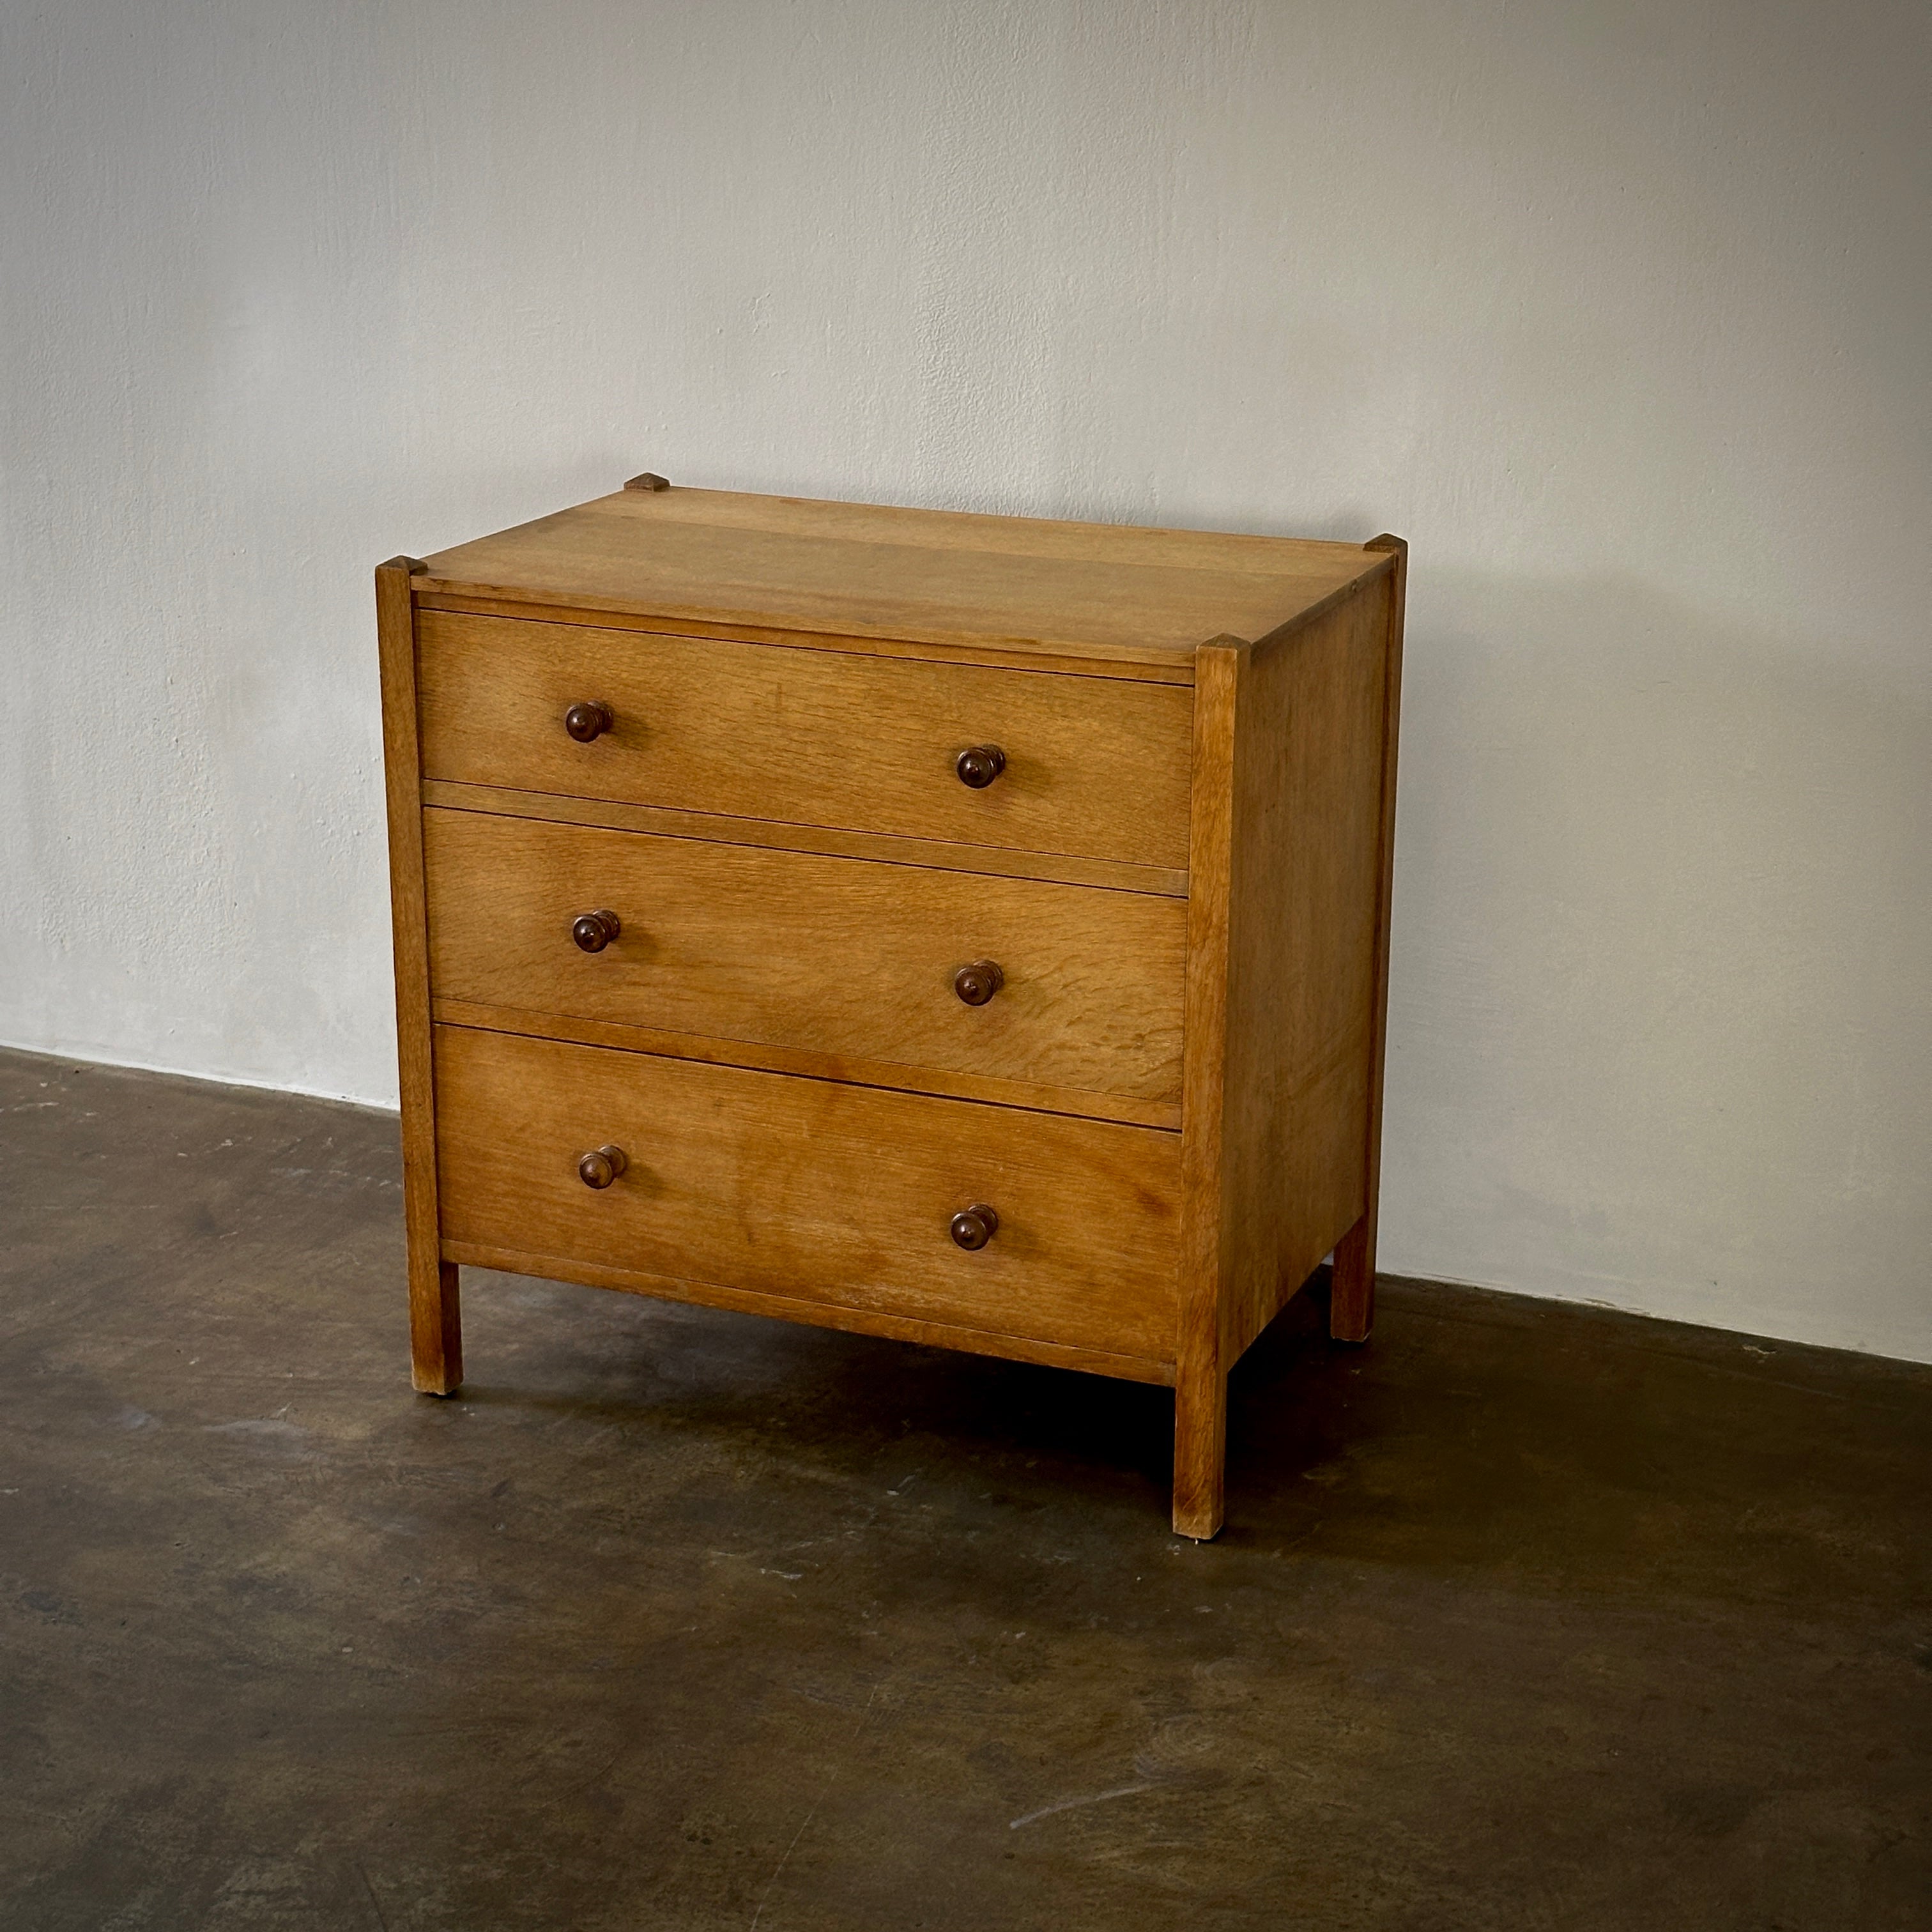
(1351, 1303)
(1201, 1365)
(436, 1327)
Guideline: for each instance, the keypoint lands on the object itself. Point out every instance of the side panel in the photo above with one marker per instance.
(1287, 923)
(1304, 905)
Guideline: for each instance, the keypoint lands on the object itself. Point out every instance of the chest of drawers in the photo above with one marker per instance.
(967, 929)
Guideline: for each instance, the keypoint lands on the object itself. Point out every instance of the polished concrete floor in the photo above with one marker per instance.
(1524, 1615)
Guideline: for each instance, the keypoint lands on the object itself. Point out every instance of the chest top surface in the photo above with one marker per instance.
(726, 561)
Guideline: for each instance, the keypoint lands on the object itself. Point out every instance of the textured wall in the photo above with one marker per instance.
(1617, 311)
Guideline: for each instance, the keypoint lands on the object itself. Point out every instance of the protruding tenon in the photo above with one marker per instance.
(648, 481)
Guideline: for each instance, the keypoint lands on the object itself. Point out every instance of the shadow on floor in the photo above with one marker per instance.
(1526, 1615)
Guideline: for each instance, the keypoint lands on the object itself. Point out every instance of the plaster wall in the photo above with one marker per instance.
(1617, 311)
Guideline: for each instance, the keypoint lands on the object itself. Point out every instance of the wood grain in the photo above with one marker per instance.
(898, 1075)
(810, 1190)
(1201, 1369)
(1105, 591)
(1351, 1305)
(1283, 963)
(960, 650)
(1095, 767)
(828, 955)
(1067, 869)
(436, 1332)
(1300, 954)
(1187, 720)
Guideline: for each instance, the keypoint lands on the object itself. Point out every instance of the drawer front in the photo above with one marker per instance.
(829, 955)
(1095, 767)
(810, 1191)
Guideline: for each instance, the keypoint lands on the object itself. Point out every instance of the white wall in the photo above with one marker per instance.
(1618, 312)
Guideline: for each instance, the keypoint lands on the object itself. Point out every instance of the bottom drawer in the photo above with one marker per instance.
(810, 1191)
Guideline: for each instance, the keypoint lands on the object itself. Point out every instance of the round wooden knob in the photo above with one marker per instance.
(588, 720)
(979, 765)
(601, 1166)
(594, 930)
(977, 983)
(974, 1227)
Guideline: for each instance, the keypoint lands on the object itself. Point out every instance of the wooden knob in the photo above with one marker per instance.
(587, 721)
(601, 1166)
(594, 930)
(977, 983)
(974, 1227)
(979, 765)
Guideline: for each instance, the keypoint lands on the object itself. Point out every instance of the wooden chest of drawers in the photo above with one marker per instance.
(967, 929)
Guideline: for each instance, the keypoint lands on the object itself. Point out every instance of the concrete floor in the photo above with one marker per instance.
(1525, 1615)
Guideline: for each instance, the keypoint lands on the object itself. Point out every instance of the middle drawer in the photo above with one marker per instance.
(851, 957)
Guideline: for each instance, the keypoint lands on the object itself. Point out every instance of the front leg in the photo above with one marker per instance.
(1200, 1445)
(436, 1325)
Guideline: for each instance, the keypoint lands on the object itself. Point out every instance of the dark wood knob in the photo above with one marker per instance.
(974, 1227)
(601, 1166)
(594, 930)
(979, 765)
(977, 983)
(588, 720)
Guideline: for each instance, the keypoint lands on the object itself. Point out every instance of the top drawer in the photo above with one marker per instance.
(1095, 767)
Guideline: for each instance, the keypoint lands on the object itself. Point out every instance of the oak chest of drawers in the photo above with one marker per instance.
(967, 929)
